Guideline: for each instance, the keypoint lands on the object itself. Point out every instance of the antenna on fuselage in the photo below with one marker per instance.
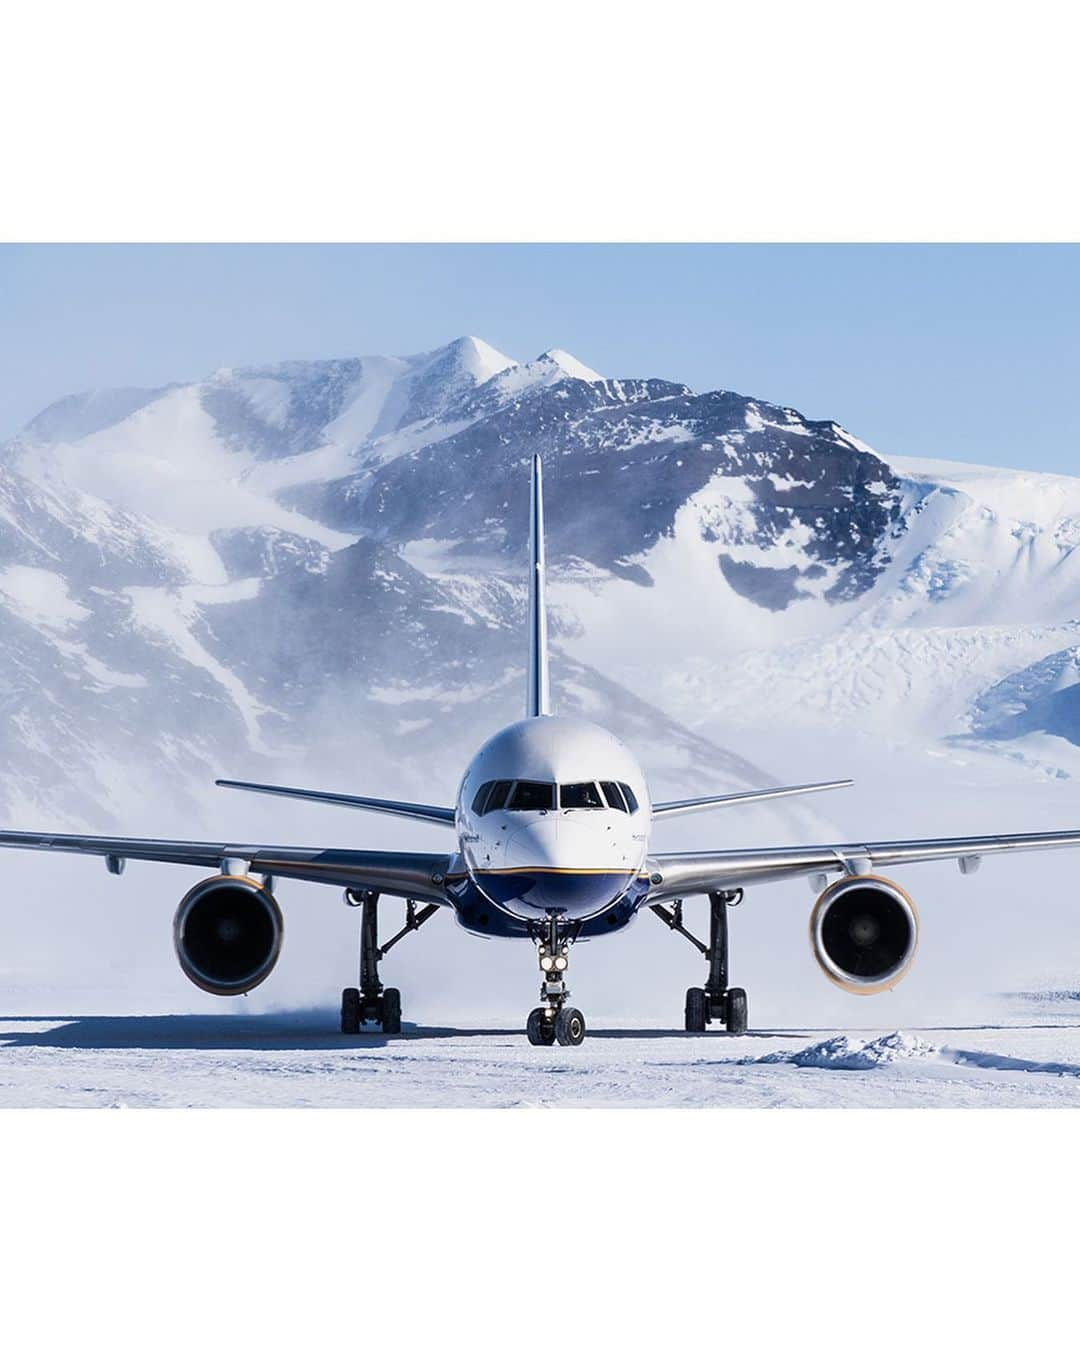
(537, 704)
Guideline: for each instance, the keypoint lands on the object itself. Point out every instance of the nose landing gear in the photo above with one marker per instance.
(554, 1020)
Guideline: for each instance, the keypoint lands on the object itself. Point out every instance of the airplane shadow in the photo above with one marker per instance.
(317, 1030)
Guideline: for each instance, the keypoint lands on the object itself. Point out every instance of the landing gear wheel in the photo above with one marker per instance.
(350, 1012)
(697, 1010)
(540, 1029)
(390, 1011)
(735, 1012)
(569, 1026)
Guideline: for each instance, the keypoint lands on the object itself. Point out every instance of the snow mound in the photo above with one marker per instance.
(850, 1052)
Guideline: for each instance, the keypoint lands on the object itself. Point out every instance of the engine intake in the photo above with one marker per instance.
(864, 932)
(228, 932)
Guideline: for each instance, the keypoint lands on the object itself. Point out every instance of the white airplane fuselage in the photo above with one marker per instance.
(553, 820)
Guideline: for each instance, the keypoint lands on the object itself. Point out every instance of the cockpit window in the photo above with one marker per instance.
(506, 795)
(496, 798)
(532, 797)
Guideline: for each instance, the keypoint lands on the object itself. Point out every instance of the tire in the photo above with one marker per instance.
(540, 1029)
(697, 1010)
(569, 1026)
(390, 1011)
(735, 1012)
(350, 1012)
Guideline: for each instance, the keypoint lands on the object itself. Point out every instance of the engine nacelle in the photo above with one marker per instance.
(228, 932)
(864, 932)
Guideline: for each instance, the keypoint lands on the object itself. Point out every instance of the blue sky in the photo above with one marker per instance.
(956, 351)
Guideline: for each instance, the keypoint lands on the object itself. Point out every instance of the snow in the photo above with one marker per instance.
(301, 1059)
(480, 359)
(366, 410)
(167, 616)
(269, 399)
(548, 369)
(41, 598)
(852, 1052)
(166, 464)
(570, 365)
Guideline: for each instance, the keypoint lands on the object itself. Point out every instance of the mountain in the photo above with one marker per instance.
(316, 567)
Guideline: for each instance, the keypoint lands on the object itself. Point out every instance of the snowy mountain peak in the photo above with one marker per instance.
(475, 358)
(569, 365)
(326, 504)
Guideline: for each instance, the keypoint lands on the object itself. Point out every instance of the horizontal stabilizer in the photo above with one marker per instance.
(441, 815)
(692, 804)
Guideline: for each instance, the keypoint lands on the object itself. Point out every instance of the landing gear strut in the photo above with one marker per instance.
(717, 1001)
(555, 1020)
(372, 1002)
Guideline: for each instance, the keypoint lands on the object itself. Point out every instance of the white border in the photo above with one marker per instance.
(567, 121)
(479, 1228)
(588, 121)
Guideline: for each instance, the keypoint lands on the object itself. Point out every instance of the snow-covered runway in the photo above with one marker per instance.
(301, 1060)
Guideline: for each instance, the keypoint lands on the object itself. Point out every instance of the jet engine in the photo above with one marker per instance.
(864, 931)
(227, 932)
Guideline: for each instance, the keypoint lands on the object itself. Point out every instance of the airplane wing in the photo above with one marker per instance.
(662, 810)
(411, 875)
(441, 815)
(676, 874)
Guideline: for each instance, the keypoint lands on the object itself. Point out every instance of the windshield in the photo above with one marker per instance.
(575, 796)
(532, 797)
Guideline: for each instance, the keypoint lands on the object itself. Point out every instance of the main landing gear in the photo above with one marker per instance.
(717, 1001)
(372, 1002)
(555, 1020)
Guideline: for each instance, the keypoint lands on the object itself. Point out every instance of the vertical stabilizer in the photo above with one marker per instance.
(538, 698)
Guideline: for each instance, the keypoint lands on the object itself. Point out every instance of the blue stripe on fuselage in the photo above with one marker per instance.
(477, 913)
(534, 893)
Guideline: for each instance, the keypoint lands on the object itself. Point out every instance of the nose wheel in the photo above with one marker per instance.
(554, 1021)
(540, 1028)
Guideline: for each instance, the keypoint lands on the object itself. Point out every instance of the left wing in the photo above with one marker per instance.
(676, 874)
(411, 875)
(440, 815)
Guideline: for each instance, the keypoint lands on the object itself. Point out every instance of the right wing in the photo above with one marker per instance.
(676, 874)
(441, 815)
(412, 875)
(662, 810)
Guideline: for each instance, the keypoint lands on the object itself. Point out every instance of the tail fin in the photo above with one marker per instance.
(539, 694)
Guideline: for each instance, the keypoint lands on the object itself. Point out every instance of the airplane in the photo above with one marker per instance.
(552, 845)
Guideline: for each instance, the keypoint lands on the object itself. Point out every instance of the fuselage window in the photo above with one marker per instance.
(532, 797)
(481, 798)
(576, 796)
(614, 796)
(631, 800)
(497, 796)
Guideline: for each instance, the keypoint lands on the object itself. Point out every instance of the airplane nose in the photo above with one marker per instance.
(535, 844)
(552, 867)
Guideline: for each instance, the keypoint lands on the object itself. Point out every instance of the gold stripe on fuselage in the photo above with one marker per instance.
(558, 871)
